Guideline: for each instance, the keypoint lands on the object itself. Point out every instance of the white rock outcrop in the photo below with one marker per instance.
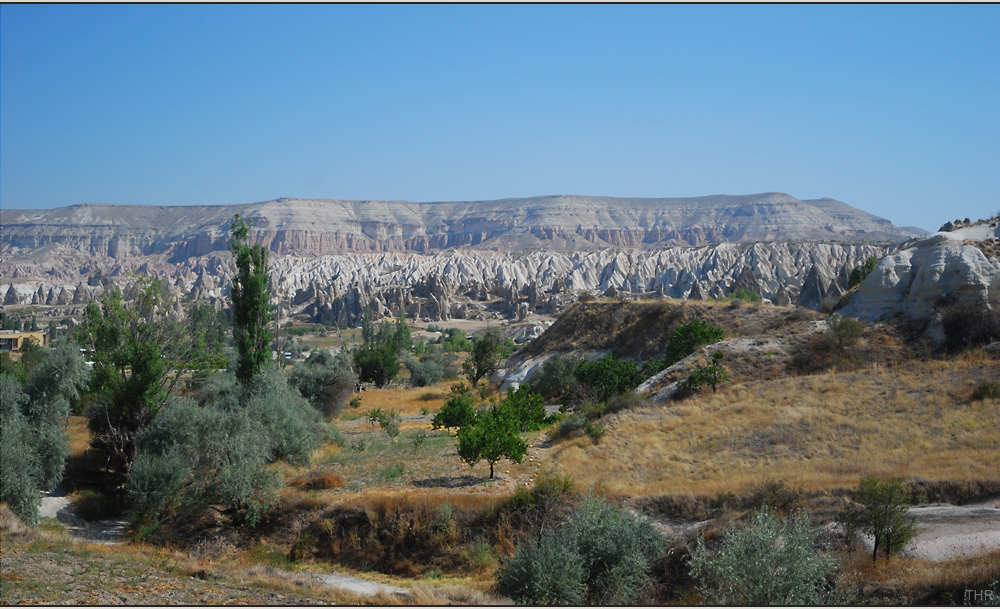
(957, 267)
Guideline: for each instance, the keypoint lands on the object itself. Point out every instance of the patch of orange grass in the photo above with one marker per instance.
(813, 432)
(318, 480)
(78, 437)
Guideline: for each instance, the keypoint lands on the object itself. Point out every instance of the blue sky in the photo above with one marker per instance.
(892, 109)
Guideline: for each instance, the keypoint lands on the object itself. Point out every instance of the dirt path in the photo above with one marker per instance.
(356, 585)
(57, 505)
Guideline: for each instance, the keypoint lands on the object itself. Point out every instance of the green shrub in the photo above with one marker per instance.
(747, 295)
(216, 453)
(596, 431)
(20, 467)
(574, 425)
(556, 375)
(860, 273)
(608, 376)
(325, 380)
(424, 373)
(548, 571)
(686, 339)
(986, 391)
(770, 561)
(32, 416)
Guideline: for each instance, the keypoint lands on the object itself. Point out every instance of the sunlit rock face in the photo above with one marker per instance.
(961, 266)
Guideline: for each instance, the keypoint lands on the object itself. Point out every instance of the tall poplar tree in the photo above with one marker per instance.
(251, 303)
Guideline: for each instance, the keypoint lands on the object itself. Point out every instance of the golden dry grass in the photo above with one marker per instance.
(814, 432)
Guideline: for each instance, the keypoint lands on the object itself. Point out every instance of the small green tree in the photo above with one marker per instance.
(251, 299)
(878, 509)
(525, 407)
(485, 357)
(770, 561)
(492, 436)
(140, 352)
(458, 411)
(712, 374)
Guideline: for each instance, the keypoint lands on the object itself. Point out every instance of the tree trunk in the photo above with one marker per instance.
(491, 470)
(875, 550)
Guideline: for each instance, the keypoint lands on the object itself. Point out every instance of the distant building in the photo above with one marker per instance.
(12, 340)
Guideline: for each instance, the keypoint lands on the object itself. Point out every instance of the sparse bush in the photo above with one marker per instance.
(774, 494)
(387, 420)
(710, 375)
(771, 561)
(986, 391)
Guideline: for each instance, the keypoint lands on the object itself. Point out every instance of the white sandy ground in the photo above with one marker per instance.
(951, 531)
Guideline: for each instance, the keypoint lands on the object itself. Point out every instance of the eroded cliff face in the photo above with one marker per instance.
(436, 261)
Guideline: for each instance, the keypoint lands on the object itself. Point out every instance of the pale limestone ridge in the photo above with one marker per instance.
(322, 226)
